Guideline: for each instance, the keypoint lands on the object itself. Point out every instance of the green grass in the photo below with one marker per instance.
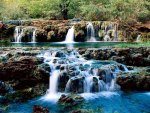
(140, 44)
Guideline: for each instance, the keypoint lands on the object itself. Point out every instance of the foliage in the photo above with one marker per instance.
(121, 10)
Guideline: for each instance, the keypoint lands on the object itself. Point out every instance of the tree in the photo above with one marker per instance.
(64, 8)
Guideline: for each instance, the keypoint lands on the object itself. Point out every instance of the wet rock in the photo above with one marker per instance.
(63, 79)
(127, 56)
(80, 36)
(41, 35)
(5, 88)
(95, 85)
(130, 67)
(122, 51)
(24, 74)
(134, 83)
(105, 75)
(76, 85)
(24, 95)
(51, 35)
(137, 59)
(39, 109)
(60, 54)
(70, 100)
(80, 111)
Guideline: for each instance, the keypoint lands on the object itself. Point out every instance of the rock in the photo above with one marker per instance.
(137, 59)
(76, 85)
(134, 82)
(80, 36)
(25, 76)
(130, 67)
(70, 100)
(24, 95)
(24, 67)
(63, 79)
(80, 111)
(41, 35)
(39, 109)
(5, 88)
(51, 35)
(122, 51)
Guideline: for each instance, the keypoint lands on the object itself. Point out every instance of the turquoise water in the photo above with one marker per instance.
(104, 102)
(61, 44)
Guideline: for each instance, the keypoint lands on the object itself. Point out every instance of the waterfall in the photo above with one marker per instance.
(34, 36)
(70, 35)
(70, 72)
(107, 38)
(20, 31)
(88, 84)
(53, 82)
(138, 39)
(90, 32)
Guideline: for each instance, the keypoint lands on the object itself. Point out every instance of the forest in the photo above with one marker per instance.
(93, 10)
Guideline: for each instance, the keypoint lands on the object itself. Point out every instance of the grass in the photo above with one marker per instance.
(140, 44)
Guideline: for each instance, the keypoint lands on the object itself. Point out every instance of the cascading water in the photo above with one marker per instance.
(34, 36)
(107, 38)
(90, 32)
(138, 39)
(70, 72)
(20, 32)
(109, 31)
(70, 35)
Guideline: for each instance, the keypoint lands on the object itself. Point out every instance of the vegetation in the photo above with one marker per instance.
(141, 44)
(120, 10)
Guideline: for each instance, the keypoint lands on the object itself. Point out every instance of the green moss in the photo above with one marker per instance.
(127, 45)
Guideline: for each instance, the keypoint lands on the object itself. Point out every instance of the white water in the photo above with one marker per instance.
(53, 82)
(18, 34)
(90, 32)
(20, 31)
(138, 39)
(107, 38)
(75, 66)
(34, 36)
(70, 35)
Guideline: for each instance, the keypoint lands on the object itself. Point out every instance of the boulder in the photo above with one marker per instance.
(134, 82)
(75, 85)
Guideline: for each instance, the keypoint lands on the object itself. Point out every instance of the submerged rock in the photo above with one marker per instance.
(70, 100)
(39, 109)
(80, 111)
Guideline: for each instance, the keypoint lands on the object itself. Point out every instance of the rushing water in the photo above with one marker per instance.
(83, 76)
(90, 32)
(70, 35)
(20, 32)
(92, 79)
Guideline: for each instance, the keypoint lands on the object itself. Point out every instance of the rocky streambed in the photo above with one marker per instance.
(24, 76)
